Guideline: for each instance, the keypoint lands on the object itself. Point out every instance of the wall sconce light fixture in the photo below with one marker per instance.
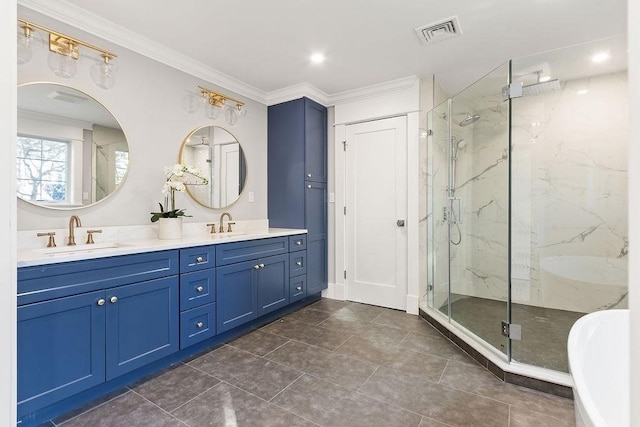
(64, 52)
(215, 103)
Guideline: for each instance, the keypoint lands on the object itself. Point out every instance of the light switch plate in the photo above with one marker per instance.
(332, 197)
(251, 197)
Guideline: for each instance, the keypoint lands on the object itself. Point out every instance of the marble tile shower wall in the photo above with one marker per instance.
(570, 190)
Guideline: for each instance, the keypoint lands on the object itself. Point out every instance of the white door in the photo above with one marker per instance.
(230, 173)
(376, 207)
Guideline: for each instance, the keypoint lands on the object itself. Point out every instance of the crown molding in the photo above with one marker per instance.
(91, 23)
(290, 93)
(68, 13)
(371, 91)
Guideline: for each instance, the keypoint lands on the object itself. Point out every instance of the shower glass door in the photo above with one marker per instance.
(477, 200)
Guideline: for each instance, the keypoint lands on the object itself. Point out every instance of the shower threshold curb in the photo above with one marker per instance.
(508, 377)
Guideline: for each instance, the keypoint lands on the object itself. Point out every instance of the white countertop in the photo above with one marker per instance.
(33, 257)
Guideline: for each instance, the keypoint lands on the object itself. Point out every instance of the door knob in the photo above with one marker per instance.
(114, 299)
(400, 223)
(200, 288)
(256, 266)
(199, 259)
(261, 265)
(299, 263)
(199, 325)
(101, 301)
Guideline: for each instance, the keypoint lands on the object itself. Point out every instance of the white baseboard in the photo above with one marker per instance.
(334, 291)
(412, 304)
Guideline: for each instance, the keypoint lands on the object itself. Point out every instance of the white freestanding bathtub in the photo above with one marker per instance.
(598, 352)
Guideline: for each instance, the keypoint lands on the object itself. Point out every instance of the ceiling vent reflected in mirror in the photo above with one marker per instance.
(437, 31)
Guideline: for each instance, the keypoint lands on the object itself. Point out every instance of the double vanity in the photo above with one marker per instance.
(96, 318)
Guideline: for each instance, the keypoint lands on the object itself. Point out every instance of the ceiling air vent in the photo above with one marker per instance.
(437, 31)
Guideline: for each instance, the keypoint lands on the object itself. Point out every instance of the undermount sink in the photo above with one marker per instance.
(68, 250)
(227, 235)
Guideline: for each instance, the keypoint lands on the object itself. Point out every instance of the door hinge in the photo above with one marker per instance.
(345, 274)
(345, 210)
(344, 145)
(514, 90)
(512, 331)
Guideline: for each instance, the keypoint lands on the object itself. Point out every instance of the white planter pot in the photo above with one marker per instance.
(169, 228)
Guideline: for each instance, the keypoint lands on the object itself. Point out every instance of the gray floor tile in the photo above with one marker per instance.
(329, 305)
(356, 311)
(94, 403)
(525, 418)
(436, 401)
(320, 337)
(254, 374)
(175, 387)
(436, 345)
(478, 380)
(225, 405)
(428, 422)
(259, 342)
(374, 331)
(410, 362)
(408, 322)
(309, 315)
(129, 409)
(336, 368)
(330, 405)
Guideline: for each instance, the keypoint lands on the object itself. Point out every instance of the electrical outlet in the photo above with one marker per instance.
(251, 197)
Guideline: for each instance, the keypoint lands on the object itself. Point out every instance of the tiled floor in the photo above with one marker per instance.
(330, 364)
(544, 330)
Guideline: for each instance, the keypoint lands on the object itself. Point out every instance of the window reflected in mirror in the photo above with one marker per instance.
(71, 152)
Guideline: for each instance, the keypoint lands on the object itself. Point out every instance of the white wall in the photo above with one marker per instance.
(147, 101)
(634, 205)
(8, 301)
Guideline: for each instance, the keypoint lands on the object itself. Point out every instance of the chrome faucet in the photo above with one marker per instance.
(72, 237)
(228, 215)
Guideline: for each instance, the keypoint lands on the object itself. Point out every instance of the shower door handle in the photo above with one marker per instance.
(400, 223)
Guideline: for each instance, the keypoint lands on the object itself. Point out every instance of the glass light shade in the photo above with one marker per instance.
(192, 102)
(62, 65)
(242, 111)
(102, 74)
(231, 114)
(212, 111)
(28, 39)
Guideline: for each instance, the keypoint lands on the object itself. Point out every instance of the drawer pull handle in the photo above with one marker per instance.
(199, 325)
(298, 242)
(101, 302)
(199, 289)
(199, 259)
(261, 265)
(308, 185)
(299, 263)
(256, 266)
(308, 175)
(298, 288)
(114, 300)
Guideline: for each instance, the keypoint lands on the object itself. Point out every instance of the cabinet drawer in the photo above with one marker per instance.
(297, 288)
(197, 324)
(231, 253)
(50, 281)
(297, 263)
(199, 258)
(298, 242)
(197, 288)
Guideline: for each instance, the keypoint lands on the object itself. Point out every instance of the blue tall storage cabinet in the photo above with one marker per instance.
(297, 188)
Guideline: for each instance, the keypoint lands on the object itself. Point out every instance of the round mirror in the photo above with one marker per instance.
(71, 152)
(219, 156)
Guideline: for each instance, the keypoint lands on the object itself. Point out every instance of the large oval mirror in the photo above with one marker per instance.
(219, 156)
(71, 152)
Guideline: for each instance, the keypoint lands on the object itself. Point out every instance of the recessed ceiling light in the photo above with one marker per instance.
(545, 79)
(317, 58)
(600, 57)
(582, 92)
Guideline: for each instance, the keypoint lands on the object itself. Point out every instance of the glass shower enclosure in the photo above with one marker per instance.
(526, 202)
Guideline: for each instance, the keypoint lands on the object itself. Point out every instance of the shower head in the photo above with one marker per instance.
(469, 120)
(541, 87)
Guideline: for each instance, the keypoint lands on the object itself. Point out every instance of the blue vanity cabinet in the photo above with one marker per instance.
(272, 279)
(297, 177)
(236, 294)
(85, 322)
(142, 324)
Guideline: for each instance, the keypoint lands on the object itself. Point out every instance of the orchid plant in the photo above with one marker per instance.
(178, 177)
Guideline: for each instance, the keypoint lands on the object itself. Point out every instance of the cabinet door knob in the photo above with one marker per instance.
(199, 259)
(299, 263)
(199, 325)
(261, 265)
(200, 289)
(298, 242)
(256, 266)
(308, 175)
(308, 185)
(298, 288)
(101, 301)
(114, 300)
